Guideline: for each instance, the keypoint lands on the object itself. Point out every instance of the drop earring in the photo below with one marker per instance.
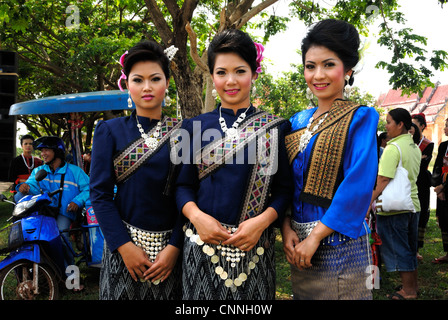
(214, 92)
(254, 88)
(348, 87)
(167, 98)
(309, 94)
(129, 101)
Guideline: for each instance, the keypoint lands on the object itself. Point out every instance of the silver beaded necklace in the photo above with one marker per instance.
(231, 133)
(151, 142)
(26, 163)
(306, 136)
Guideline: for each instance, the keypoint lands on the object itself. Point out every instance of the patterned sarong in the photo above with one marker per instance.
(338, 273)
(200, 281)
(116, 282)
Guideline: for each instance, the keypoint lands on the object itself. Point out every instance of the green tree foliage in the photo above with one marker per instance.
(286, 95)
(407, 67)
(65, 48)
(59, 54)
(283, 96)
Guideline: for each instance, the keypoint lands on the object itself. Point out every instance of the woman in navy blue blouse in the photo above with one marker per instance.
(139, 222)
(235, 185)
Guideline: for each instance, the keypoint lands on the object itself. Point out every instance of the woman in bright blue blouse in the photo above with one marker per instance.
(333, 153)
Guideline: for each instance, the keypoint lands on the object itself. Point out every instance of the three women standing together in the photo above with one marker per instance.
(213, 214)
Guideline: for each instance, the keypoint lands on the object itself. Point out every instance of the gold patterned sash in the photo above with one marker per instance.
(133, 156)
(326, 160)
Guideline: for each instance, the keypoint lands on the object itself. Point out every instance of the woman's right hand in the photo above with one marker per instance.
(208, 228)
(290, 240)
(439, 191)
(135, 259)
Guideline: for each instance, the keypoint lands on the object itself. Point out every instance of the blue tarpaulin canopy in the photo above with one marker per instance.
(76, 102)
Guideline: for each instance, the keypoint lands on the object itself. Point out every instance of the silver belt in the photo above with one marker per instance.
(152, 242)
(303, 230)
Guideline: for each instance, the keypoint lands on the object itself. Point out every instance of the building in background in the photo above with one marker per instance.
(433, 103)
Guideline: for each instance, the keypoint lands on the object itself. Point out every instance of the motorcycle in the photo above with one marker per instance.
(32, 267)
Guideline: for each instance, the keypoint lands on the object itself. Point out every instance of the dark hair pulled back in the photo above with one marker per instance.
(420, 118)
(338, 36)
(146, 51)
(417, 135)
(401, 115)
(236, 41)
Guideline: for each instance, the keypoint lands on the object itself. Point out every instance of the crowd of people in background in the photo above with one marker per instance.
(205, 230)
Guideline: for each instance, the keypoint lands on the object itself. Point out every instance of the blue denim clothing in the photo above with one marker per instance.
(64, 224)
(399, 235)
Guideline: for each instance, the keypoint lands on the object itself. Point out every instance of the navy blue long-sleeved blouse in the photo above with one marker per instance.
(141, 200)
(222, 192)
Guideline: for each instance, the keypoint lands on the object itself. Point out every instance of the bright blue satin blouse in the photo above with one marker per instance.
(346, 214)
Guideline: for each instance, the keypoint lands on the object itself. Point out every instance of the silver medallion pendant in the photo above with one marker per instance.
(232, 133)
(151, 143)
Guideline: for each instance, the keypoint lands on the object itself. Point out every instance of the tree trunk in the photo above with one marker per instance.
(189, 89)
(188, 82)
(210, 102)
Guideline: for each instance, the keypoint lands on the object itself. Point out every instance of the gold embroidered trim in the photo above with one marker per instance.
(327, 153)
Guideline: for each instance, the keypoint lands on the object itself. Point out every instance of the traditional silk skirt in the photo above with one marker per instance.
(210, 275)
(116, 282)
(338, 272)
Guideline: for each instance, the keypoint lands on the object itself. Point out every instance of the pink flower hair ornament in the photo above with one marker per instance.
(170, 52)
(123, 76)
(260, 57)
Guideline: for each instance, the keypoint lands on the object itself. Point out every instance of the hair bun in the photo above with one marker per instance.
(336, 35)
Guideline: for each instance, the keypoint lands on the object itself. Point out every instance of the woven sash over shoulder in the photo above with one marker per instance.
(325, 164)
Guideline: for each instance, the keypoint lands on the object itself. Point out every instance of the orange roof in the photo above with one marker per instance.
(426, 94)
(395, 98)
(440, 96)
(413, 103)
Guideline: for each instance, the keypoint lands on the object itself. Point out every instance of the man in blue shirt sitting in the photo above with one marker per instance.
(74, 180)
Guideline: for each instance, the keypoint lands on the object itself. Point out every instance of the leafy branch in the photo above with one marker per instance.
(407, 50)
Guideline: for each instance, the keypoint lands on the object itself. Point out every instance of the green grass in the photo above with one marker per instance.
(433, 279)
(283, 281)
(5, 212)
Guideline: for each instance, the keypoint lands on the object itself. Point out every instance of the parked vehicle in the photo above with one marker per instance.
(32, 267)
